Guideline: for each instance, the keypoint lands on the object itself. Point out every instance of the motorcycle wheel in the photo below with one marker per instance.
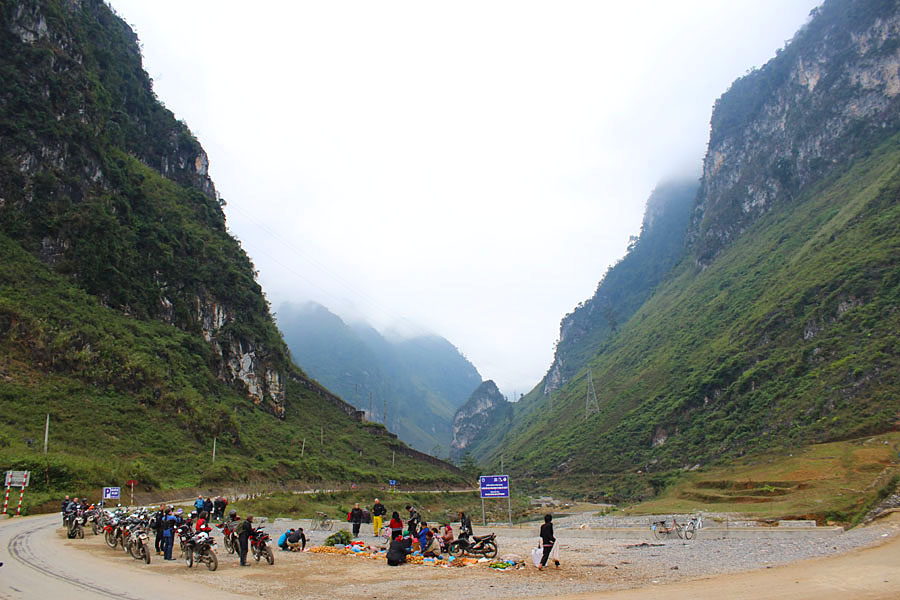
(94, 528)
(79, 532)
(270, 558)
(212, 561)
(145, 550)
(256, 553)
(489, 550)
(110, 539)
(189, 558)
(455, 549)
(229, 545)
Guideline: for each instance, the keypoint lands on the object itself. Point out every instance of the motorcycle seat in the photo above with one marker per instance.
(479, 538)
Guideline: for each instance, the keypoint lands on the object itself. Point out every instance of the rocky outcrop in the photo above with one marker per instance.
(485, 408)
(825, 99)
(627, 284)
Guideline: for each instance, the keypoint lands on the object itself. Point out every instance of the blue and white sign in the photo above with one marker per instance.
(111, 493)
(393, 482)
(494, 486)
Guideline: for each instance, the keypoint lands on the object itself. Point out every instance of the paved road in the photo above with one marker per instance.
(40, 563)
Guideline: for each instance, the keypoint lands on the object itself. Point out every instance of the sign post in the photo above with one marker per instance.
(495, 486)
(132, 483)
(111, 493)
(15, 479)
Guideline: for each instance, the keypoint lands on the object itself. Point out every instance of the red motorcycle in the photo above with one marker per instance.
(260, 545)
(230, 537)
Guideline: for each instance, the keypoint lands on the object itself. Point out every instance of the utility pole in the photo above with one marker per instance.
(46, 433)
(591, 406)
(214, 450)
(303, 448)
(393, 456)
(502, 472)
(371, 409)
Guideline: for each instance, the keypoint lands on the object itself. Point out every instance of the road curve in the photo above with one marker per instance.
(39, 562)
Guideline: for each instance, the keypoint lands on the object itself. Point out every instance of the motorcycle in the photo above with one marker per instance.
(111, 533)
(230, 540)
(260, 545)
(139, 543)
(202, 549)
(484, 545)
(77, 521)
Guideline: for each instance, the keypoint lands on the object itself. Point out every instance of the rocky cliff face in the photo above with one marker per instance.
(485, 408)
(824, 100)
(80, 129)
(627, 284)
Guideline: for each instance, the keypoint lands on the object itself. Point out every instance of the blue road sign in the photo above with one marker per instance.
(494, 486)
(393, 482)
(111, 493)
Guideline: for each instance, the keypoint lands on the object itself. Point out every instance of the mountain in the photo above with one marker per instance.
(127, 311)
(485, 410)
(420, 381)
(774, 328)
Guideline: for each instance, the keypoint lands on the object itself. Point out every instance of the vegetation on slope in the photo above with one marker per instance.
(785, 340)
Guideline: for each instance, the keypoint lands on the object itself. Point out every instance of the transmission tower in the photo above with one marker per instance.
(591, 406)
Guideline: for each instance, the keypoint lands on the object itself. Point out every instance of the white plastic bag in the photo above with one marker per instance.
(536, 555)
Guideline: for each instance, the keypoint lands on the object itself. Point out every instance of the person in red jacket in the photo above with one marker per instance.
(396, 525)
(203, 523)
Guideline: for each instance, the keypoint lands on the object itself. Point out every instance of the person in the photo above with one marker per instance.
(297, 540)
(218, 508)
(198, 503)
(244, 531)
(447, 536)
(283, 539)
(378, 511)
(432, 546)
(547, 541)
(397, 551)
(203, 523)
(355, 517)
(168, 534)
(465, 526)
(159, 521)
(412, 523)
(423, 536)
(396, 524)
(207, 506)
(367, 516)
(65, 506)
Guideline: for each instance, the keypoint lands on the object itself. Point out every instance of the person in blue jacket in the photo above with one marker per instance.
(282, 539)
(169, 524)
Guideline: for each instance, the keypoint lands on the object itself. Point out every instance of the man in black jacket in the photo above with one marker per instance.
(244, 531)
(160, 519)
(356, 517)
(413, 521)
(378, 511)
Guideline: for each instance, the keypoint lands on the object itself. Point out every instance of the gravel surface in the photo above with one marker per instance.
(591, 561)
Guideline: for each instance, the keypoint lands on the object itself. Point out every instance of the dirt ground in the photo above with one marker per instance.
(868, 573)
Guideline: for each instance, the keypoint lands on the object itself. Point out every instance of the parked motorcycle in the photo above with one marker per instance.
(484, 545)
(260, 545)
(230, 538)
(139, 542)
(202, 549)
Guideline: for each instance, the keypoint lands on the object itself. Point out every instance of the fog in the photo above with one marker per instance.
(468, 169)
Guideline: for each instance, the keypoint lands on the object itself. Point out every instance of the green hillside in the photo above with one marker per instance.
(127, 311)
(775, 327)
(787, 339)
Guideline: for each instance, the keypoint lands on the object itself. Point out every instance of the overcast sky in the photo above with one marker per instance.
(469, 169)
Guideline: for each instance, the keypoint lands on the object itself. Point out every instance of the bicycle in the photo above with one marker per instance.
(322, 521)
(385, 534)
(661, 530)
(690, 529)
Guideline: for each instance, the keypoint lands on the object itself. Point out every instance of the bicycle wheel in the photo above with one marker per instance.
(679, 531)
(657, 534)
(689, 531)
(327, 524)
